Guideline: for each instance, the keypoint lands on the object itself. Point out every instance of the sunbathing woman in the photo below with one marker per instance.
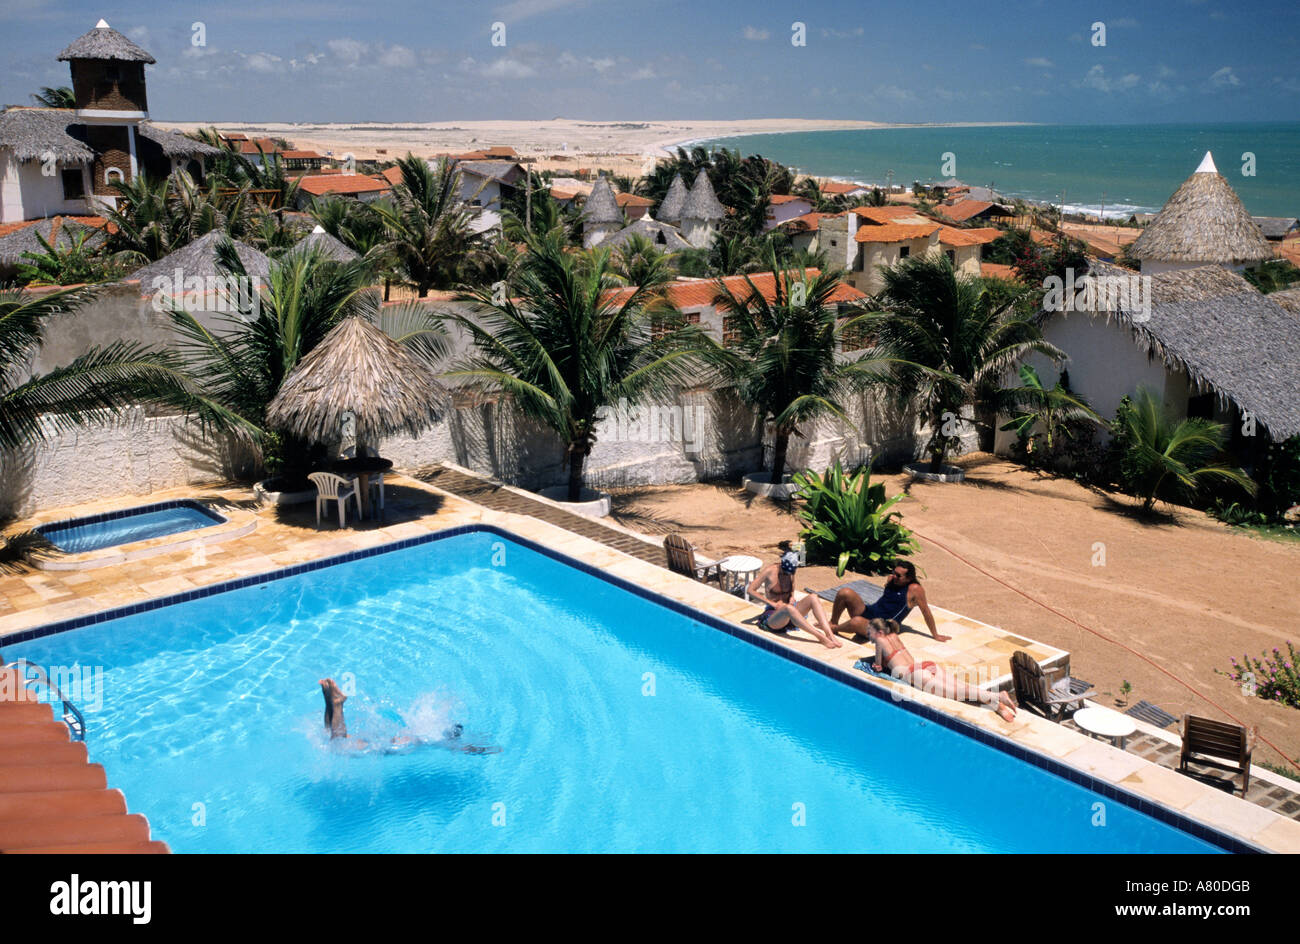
(774, 588)
(338, 729)
(891, 654)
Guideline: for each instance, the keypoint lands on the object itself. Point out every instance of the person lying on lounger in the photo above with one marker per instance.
(892, 656)
(337, 727)
(774, 588)
(902, 592)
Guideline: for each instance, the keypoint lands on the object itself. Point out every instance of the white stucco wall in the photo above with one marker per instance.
(27, 194)
(778, 213)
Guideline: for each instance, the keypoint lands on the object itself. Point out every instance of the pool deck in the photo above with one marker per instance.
(287, 536)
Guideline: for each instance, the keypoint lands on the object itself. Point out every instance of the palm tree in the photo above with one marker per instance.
(1055, 409)
(240, 368)
(1164, 459)
(638, 261)
(950, 343)
(569, 341)
(429, 231)
(59, 97)
(91, 389)
(785, 361)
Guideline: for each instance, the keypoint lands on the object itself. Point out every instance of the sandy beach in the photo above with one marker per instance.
(622, 147)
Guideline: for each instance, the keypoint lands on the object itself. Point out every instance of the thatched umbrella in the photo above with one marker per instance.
(357, 369)
(1204, 221)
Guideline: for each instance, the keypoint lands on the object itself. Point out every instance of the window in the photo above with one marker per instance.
(904, 252)
(113, 173)
(952, 256)
(112, 73)
(74, 187)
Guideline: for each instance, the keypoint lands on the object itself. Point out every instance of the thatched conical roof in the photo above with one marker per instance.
(357, 369)
(329, 246)
(199, 258)
(104, 42)
(702, 203)
(601, 206)
(1204, 221)
(670, 211)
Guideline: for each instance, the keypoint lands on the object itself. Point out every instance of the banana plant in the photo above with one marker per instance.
(849, 520)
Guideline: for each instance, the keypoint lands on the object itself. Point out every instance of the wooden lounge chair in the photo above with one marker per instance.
(1035, 690)
(1230, 742)
(681, 560)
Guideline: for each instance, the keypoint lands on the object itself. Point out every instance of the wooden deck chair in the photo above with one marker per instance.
(331, 487)
(1033, 688)
(1230, 742)
(681, 560)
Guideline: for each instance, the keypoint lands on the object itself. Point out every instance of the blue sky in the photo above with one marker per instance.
(323, 60)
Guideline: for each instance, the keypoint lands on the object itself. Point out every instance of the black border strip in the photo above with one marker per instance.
(1164, 814)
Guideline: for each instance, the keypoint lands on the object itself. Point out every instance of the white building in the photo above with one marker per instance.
(67, 160)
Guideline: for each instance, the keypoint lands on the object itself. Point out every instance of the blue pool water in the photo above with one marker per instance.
(125, 527)
(623, 725)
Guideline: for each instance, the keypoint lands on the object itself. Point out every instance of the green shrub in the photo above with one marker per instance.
(849, 522)
(1275, 678)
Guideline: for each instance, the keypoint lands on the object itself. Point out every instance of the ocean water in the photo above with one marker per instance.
(1125, 168)
(621, 726)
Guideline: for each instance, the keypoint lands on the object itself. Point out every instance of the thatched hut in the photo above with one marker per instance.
(328, 246)
(1203, 222)
(199, 259)
(357, 369)
(1228, 338)
(59, 231)
(670, 210)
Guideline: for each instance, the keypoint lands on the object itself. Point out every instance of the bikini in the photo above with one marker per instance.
(771, 610)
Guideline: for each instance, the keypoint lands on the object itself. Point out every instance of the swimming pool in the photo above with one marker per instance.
(624, 725)
(129, 525)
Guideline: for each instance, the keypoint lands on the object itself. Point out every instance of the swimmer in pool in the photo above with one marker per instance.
(337, 727)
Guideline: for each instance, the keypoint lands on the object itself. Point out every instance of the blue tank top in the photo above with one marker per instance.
(892, 605)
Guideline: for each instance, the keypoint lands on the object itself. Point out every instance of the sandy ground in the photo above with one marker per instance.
(1188, 593)
(623, 147)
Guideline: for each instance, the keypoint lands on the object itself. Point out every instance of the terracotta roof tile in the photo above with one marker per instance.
(963, 210)
(895, 232)
(836, 187)
(994, 270)
(342, 183)
(698, 293)
(951, 236)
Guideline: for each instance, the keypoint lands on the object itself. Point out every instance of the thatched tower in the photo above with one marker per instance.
(702, 214)
(601, 216)
(357, 369)
(198, 260)
(328, 246)
(670, 210)
(1203, 222)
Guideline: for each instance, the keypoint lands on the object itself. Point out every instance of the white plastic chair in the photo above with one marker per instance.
(377, 489)
(331, 487)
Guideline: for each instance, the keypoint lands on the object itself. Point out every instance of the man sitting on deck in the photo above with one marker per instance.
(774, 587)
(892, 655)
(901, 593)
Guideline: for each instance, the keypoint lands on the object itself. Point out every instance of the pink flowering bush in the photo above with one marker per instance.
(1276, 677)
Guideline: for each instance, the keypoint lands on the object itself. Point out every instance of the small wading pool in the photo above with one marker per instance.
(78, 535)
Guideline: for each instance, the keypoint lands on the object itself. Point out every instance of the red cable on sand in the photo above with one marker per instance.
(1099, 635)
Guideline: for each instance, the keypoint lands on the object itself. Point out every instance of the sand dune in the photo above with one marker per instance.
(625, 147)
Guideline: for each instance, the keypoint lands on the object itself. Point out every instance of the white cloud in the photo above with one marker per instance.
(524, 9)
(1225, 78)
(754, 34)
(1097, 79)
(262, 62)
(645, 72)
(397, 57)
(602, 65)
(1039, 61)
(349, 50)
(842, 34)
(507, 69)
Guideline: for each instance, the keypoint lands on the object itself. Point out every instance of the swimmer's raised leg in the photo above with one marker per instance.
(334, 699)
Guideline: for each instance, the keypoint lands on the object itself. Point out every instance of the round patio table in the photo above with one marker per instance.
(362, 467)
(1106, 723)
(740, 570)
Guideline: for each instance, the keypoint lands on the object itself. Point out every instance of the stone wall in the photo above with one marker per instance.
(700, 433)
